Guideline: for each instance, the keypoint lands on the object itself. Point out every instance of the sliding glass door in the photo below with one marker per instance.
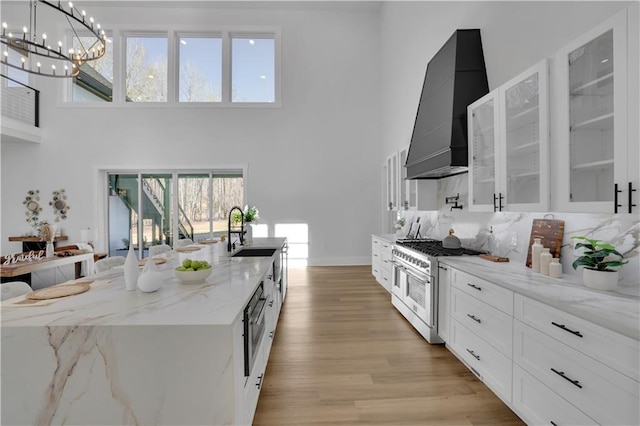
(162, 207)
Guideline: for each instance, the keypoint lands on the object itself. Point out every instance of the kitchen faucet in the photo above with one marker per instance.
(240, 232)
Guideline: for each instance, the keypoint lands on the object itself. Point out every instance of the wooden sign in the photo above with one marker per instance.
(22, 257)
(551, 232)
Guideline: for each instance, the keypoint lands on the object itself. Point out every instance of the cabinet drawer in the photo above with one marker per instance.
(615, 350)
(602, 393)
(492, 294)
(492, 366)
(539, 405)
(386, 279)
(487, 322)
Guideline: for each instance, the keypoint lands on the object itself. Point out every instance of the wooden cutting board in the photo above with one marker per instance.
(551, 231)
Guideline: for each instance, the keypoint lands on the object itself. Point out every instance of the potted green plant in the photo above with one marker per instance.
(399, 224)
(600, 261)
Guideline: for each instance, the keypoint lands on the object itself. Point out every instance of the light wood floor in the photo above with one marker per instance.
(343, 355)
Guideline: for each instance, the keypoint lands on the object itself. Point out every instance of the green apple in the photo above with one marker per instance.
(196, 264)
(181, 268)
(187, 263)
(190, 270)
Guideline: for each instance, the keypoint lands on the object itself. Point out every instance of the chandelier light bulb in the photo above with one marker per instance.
(4, 25)
(71, 6)
(6, 53)
(25, 29)
(44, 36)
(84, 13)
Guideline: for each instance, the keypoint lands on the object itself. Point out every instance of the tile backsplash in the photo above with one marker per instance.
(507, 234)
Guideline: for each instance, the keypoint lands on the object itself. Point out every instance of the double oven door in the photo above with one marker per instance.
(416, 290)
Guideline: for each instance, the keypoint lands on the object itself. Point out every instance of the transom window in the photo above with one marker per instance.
(187, 68)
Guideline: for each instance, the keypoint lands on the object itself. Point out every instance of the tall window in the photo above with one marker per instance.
(252, 69)
(94, 83)
(159, 208)
(200, 69)
(146, 69)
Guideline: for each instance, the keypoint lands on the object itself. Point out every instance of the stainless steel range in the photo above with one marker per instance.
(414, 288)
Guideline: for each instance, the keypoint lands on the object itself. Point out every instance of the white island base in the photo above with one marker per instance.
(119, 375)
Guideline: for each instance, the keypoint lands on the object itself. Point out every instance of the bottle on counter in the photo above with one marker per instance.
(545, 260)
(536, 249)
(555, 268)
(131, 270)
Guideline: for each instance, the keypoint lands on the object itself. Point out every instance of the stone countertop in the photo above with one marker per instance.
(391, 238)
(615, 310)
(217, 301)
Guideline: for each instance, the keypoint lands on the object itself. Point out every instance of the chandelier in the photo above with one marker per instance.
(36, 54)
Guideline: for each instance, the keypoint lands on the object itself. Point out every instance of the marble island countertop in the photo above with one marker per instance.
(616, 310)
(217, 301)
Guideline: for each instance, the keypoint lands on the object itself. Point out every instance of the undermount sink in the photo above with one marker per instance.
(254, 252)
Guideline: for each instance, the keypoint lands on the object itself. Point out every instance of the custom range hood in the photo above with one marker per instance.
(456, 77)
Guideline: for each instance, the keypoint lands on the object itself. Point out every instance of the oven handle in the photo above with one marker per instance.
(423, 278)
(255, 319)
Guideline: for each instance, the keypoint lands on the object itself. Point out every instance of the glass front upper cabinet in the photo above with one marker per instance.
(509, 136)
(483, 125)
(525, 162)
(593, 119)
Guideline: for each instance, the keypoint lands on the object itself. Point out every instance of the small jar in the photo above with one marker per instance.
(536, 249)
(555, 268)
(545, 261)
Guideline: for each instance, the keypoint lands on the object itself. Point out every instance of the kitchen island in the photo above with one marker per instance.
(112, 356)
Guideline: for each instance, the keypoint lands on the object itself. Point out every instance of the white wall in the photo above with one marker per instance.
(314, 161)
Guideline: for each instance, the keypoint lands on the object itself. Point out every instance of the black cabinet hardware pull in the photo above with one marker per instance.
(473, 317)
(474, 286)
(561, 374)
(631, 191)
(271, 334)
(473, 354)
(495, 206)
(271, 304)
(500, 198)
(259, 381)
(616, 191)
(553, 423)
(442, 267)
(562, 326)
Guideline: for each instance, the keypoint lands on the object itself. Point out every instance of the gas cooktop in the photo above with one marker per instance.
(434, 248)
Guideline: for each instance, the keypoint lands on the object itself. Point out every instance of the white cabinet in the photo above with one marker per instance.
(598, 118)
(401, 193)
(381, 266)
(376, 260)
(548, 365)
(416, 194)
(480, 329)
(509, 145)
(593, 369)
(392, 181)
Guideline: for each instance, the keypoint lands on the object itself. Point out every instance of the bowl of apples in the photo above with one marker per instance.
(193, 271)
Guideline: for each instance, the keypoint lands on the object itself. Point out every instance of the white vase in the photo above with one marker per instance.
(545, 261)
(536, 249)
(131, 270)
(600, 280)
(248, 236)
